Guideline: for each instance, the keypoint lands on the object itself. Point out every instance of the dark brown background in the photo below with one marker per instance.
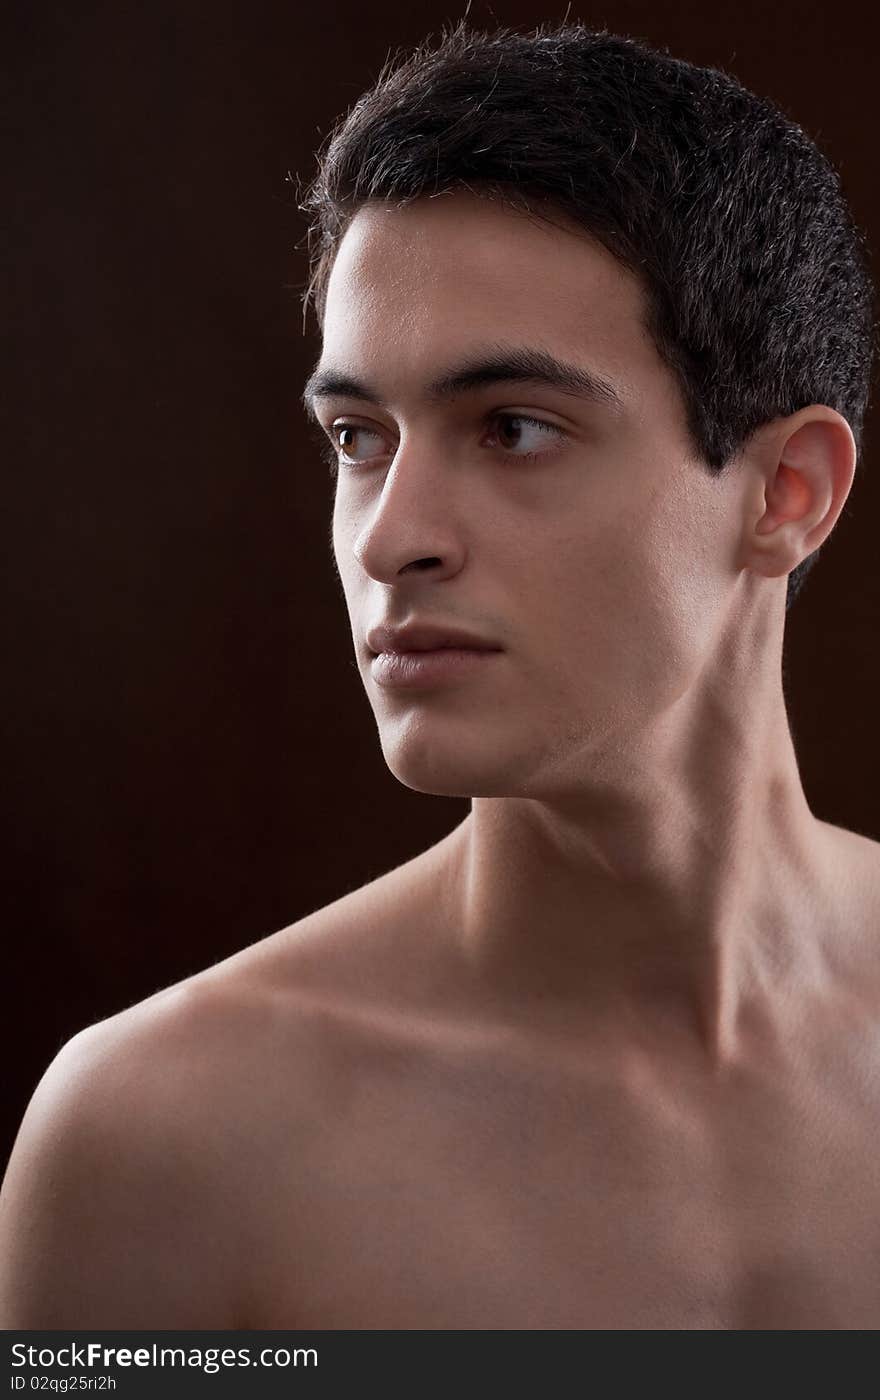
(190, 761)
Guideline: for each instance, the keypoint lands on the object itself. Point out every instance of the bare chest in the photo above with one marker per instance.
(462, 1196)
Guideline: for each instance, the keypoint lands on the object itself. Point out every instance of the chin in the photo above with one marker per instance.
(442, 772)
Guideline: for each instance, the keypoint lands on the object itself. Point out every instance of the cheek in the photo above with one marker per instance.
(674, 594)
(349, 575)
(622, 602)
(343, 533)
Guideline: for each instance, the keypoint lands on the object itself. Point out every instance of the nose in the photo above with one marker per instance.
(415, 525)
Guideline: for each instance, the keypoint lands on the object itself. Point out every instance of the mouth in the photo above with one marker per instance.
(423, 635)
(451, 645)
(415, 670)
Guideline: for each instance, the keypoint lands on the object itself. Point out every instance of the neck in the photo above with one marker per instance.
(677, 878)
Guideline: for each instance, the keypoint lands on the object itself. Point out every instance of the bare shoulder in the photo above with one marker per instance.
(109, 1211)
(130, 1196)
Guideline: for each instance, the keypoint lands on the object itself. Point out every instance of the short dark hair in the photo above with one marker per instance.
(758, 291)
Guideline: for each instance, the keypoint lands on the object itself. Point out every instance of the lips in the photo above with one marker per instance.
(436, 669)
(423, 636)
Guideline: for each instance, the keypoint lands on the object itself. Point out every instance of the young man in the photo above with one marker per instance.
(596, 350)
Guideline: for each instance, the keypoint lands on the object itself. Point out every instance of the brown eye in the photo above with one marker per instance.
(350, 437)
(515, 431)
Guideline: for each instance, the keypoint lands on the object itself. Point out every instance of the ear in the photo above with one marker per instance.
(804, 467)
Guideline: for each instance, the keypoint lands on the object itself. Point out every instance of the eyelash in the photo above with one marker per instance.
(330, 449)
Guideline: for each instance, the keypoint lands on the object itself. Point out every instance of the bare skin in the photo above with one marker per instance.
(341, 1128)
(607, 1056)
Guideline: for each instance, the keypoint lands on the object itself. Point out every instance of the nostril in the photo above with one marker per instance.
(421, 564)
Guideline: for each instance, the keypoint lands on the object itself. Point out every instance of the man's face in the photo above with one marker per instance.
(598, 564)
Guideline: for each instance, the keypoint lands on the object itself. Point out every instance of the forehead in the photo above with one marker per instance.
(418, 283)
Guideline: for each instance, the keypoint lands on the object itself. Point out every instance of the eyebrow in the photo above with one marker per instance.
(500, 364)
